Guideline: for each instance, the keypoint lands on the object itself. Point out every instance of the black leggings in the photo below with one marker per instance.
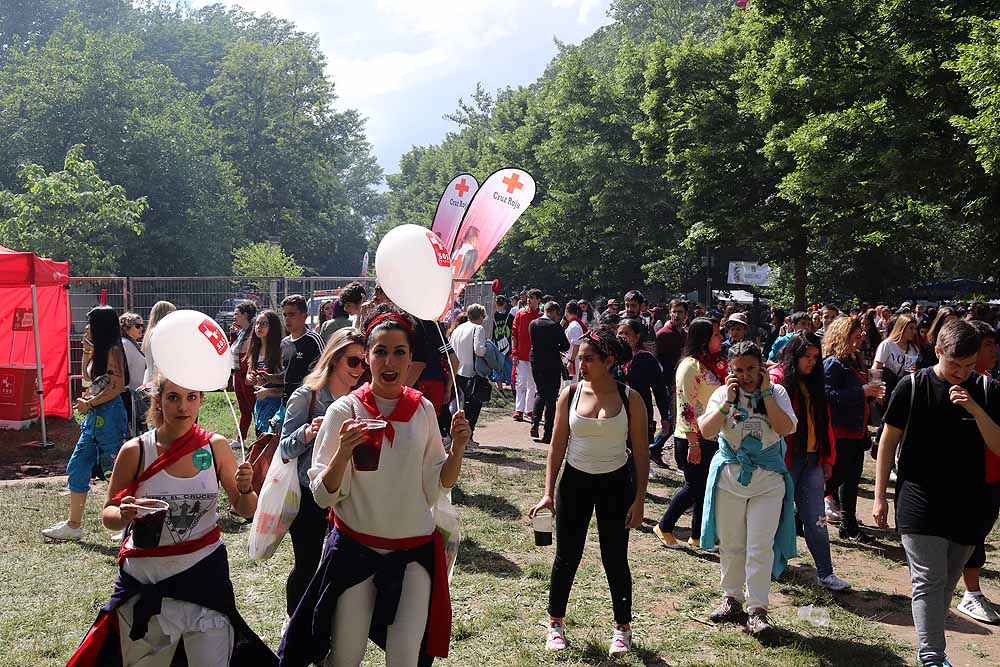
(578, 495)
(843, 483)
(978, 557)
(692, 493)
(308, 531)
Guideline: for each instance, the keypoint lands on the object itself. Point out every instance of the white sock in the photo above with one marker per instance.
(973, 594)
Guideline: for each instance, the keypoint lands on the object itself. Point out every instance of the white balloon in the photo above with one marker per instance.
(414, 268)
(191, 350)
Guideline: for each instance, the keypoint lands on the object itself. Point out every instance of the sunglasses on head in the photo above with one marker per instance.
(354, 362)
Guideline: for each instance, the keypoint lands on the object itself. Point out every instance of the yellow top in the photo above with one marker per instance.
(695, 384)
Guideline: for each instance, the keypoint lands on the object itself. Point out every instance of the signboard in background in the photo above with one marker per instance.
(749, 273)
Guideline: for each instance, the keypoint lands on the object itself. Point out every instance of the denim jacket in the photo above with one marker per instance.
(293, 440)
(846, 395)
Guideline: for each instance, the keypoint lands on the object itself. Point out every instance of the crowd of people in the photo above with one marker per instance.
(769, 425)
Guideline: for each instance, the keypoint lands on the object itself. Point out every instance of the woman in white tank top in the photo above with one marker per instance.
(594, 428)
(179, 570)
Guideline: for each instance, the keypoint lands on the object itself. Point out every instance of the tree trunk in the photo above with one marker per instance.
(801, 262)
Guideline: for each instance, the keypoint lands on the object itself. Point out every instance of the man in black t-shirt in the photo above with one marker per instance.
(503, 327)
(948, 417)
(301, 348)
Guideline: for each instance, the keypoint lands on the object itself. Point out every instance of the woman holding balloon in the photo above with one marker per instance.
(380, 465)
(173, 581)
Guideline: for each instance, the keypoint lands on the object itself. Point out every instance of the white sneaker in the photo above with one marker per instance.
(118, 537)
(62, 532)
(471, 446)
(621, 641)
(556, 638)
(833, 582)
(832, 510)
(978, 607)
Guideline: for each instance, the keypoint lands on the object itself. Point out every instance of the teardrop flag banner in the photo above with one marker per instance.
(452, 206)
(497, 205)
(364, 265)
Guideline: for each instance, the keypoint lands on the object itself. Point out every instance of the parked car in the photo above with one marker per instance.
(313, 305)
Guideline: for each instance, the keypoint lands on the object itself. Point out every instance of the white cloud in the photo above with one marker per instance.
(585, 7)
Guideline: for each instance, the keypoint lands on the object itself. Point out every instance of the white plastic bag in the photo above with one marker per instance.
(450, 524)
(277, 507)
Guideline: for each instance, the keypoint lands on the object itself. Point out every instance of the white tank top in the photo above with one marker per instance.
(596, 445)
(194, 512)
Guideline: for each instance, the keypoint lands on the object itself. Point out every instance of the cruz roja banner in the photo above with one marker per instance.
(500, 201)
(452, 206)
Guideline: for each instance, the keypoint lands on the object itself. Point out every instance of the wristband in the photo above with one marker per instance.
(724, 410)
(245, 493)
(767, 392)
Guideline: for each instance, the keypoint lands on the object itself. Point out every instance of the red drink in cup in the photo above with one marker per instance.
(148, 523)
(366, 455)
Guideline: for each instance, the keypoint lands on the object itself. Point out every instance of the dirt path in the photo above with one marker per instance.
(877, 572)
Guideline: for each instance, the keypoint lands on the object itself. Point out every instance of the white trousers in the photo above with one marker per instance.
(208, 636)
(746, 519)
(524, 392)
(353, 617)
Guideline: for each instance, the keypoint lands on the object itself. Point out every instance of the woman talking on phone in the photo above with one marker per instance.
(380, 465)
(749, 496)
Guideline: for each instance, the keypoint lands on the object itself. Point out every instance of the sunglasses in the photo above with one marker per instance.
(140, 325)
(354, 362)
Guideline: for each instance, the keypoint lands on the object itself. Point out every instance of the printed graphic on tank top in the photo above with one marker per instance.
(193, 512)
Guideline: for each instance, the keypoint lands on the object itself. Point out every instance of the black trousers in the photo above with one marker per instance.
(308, 531)
(471, 406)
(843, 483)
(990, 514)
(692, 494)
(547, 383)
(579, 494)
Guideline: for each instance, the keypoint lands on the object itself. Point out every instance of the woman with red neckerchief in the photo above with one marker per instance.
(383, 575)
(174, 579)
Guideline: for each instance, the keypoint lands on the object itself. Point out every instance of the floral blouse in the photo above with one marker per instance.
(695, 384)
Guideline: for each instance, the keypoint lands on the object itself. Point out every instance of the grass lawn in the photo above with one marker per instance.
(499, 591)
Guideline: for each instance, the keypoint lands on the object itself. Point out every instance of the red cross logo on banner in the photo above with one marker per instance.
(214, 334)
(461, 188)
(512, 183)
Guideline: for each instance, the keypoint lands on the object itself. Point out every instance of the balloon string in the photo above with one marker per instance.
(236, 421)
(454, 381)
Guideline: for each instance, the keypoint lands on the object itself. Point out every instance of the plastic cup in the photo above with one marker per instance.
(366, 455)
(148, 522)
(542, 524)
(875, 375)
(817, 616)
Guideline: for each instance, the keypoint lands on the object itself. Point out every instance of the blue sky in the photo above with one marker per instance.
(405, 63)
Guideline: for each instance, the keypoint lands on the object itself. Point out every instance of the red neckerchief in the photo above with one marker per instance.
(193, 440)
(439, 617)
(407, 406)
(715, 363)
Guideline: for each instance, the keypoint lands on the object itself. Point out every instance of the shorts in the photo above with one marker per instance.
(102, 433)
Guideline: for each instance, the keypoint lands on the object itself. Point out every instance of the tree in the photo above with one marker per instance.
(264, 259)
(72, 215)
(143, 130)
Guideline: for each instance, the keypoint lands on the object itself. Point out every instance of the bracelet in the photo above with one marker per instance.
(724, 410)
(767, 392)
(245, 493)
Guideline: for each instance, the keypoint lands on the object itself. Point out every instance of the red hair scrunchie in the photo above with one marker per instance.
(389, 316)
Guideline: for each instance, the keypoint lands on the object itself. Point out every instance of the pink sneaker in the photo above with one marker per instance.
(621, 641)
(556, 638)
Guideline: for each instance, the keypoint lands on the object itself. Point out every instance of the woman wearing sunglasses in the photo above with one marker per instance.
(339, 370)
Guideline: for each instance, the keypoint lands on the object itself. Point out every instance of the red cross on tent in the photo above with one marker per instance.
(461, 188)
(512, 183)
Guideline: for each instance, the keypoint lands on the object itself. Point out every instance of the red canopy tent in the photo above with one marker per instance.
(34, 326)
